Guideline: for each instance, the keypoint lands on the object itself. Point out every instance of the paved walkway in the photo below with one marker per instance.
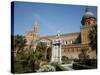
(68, 66)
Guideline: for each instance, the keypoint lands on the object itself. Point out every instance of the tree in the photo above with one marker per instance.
(93, 38)
(49, 53)
(38, 55)
(30, 60)
(42, 48)
(23, 61)
(19, 43)
(83, 55)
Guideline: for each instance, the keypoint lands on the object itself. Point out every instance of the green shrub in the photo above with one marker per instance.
(76, 60)
(78, 66)
(46, 68)
(85, 64)
(66, 60)
(91, 62)
(58, 67)
(22, 67)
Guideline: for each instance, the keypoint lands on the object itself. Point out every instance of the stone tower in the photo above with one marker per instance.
(88, 20)
(32, 35)
(35, 30)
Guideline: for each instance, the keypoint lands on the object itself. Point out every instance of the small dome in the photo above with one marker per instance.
(88, 13)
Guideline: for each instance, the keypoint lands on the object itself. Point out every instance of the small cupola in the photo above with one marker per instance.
(88, 18)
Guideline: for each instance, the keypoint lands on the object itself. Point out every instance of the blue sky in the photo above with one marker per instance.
(52, 18)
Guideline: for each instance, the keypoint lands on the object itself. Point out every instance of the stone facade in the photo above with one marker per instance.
(33, 35)
(69, 45)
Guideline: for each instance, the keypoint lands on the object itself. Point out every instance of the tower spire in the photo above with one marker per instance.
(35, 26)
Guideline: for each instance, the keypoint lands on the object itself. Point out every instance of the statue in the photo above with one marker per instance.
(56, 50)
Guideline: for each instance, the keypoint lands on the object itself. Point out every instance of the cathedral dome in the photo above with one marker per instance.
(87, 14)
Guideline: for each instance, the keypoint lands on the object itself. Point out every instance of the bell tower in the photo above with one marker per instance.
(88, 21)
(35, 30)
(32, 35)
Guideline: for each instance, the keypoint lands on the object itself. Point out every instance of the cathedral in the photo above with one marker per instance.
(71, 43)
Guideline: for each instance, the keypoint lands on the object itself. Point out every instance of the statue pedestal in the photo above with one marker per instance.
(56, 51)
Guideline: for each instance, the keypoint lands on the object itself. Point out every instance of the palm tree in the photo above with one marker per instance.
(19, 43)
(30, 59)
(42, 48)
(93, 38)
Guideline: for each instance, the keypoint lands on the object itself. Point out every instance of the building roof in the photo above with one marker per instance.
(64, 34)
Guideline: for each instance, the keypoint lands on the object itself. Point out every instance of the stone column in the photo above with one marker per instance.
(59, 55)
(56, 51)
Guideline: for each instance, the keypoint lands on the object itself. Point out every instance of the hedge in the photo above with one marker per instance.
(85, 64)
